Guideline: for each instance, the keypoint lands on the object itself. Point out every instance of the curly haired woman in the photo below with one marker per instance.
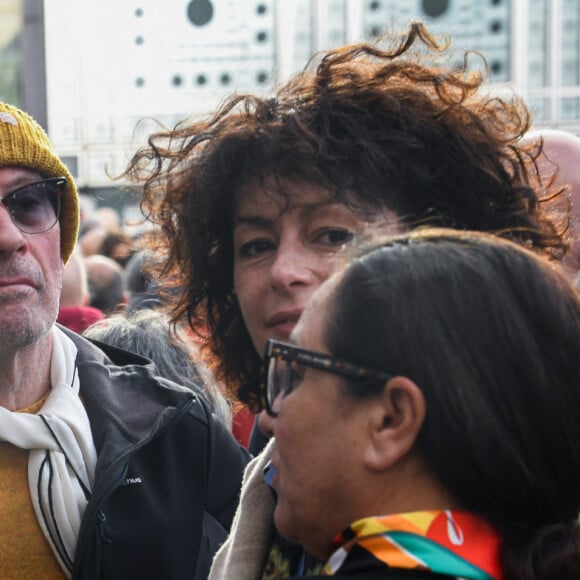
(258, 204)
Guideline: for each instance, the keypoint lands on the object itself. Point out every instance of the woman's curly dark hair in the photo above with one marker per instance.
(392, 127)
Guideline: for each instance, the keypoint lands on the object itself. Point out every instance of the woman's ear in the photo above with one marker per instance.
(394, 424)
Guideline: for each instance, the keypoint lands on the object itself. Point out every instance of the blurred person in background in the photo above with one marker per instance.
(148, 333)
(95, 228)
(74, 311)
(91, 238)
(258, 204)
(141, 287)
(117, 246)
(107, 283)
(560, 160)
(108, 471)
(107, 217)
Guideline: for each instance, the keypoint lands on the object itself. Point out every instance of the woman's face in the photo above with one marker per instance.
(320, 437)
(282, 254)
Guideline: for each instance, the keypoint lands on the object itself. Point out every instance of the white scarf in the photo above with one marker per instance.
(62, 458)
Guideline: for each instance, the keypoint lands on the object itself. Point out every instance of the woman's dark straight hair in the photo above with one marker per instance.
(491, 334)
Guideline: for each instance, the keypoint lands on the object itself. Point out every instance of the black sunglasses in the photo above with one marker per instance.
(280, 373)
(35, 207)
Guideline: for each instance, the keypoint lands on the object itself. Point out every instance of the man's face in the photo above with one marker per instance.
(30, 272)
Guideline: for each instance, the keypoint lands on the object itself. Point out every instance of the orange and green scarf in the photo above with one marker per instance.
(445, 542)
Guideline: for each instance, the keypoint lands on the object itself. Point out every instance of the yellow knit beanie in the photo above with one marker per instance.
(24, 143)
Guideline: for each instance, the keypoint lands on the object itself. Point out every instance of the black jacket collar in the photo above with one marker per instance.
(126, 402)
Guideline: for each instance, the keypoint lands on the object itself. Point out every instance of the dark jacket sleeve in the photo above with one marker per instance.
(227, 460)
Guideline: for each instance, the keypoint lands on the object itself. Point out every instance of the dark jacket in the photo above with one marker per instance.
(167, 478)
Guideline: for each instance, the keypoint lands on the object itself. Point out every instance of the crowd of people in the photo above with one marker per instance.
(375, 268)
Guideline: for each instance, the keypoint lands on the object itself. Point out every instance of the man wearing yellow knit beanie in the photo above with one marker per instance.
(106, 471)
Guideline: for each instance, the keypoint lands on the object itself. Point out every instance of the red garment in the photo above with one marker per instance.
(242, 423)
(78, 318)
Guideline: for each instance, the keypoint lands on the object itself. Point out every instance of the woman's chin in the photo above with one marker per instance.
(290, 528)
(285, 523)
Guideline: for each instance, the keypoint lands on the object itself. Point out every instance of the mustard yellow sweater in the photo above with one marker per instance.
(24, 551)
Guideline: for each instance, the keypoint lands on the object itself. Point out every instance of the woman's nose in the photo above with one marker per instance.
(293, 266)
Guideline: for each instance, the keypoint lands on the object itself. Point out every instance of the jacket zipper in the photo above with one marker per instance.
(96, 513)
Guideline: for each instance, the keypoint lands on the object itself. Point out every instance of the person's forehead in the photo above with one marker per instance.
(282, 195)
(15, 173)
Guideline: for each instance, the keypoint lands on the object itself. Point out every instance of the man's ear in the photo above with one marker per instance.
(394, 423)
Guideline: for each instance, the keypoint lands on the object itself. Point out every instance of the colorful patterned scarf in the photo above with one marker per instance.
(446, 542)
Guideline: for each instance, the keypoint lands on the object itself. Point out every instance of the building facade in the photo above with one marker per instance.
(102, 75)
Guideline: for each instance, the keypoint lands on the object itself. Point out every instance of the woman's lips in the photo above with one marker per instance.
(283, 322)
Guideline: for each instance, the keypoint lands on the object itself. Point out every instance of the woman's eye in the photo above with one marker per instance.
(255, 248)
(335, 237)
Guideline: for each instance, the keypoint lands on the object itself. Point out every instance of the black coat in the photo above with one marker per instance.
(167, 478)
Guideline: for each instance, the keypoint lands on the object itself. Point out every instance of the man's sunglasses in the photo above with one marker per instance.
(35, 207)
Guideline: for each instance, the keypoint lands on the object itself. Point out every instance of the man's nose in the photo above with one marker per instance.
(11, 238)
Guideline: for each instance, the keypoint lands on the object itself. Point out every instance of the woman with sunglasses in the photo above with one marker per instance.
(434, 385)
(257, 204)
